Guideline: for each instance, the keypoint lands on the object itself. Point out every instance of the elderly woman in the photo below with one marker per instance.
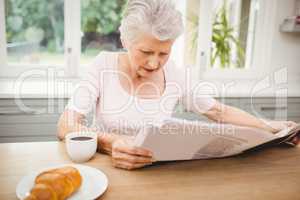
(142, 85)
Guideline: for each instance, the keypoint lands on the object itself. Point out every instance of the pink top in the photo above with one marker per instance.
(100, 92)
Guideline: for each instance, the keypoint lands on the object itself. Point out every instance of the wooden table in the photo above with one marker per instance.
(272, 173)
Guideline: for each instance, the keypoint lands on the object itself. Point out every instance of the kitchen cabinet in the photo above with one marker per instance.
(261, 107)
(24, 120)
(36, 119)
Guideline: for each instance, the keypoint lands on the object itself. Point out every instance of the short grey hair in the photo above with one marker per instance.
(157, 17)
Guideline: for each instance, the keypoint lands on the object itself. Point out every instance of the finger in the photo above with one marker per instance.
(134, 151)
(129, 166)
(132, 158)
(296, 140)
(291, 123)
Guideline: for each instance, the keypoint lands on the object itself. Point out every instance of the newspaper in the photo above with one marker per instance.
(180, 139)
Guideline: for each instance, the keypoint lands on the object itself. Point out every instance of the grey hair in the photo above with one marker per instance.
(157, 17)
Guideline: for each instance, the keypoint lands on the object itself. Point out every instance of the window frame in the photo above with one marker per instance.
(179, 43)
(72, 13)
(2, 36)
(262, 45)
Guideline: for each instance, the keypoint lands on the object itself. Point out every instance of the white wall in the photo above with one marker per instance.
(286, 46)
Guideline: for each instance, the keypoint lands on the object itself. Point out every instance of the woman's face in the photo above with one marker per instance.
(148, 54)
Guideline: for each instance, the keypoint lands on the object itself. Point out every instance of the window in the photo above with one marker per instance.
(67, 34)
(231, 25)
(34, 32)
(63, 34)
(99, 26)
(221, 37)
(232, 34)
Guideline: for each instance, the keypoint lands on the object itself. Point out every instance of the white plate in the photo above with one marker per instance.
(94, 183)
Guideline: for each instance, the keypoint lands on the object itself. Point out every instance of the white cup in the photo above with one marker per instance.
(81, 146)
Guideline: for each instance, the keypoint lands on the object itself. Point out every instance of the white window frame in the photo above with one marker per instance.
(263, 43)
(2, 35)
(72, 37)
(72, 43)
(179, 43)
(236, 20)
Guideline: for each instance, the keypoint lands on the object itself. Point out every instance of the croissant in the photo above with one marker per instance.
(55, 184)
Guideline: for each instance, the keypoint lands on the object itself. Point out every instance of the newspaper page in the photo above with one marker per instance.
(179, 139)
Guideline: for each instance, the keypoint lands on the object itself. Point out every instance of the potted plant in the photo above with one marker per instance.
(223, 40)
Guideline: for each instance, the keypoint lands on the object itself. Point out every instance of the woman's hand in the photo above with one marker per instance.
(295, 140)
(276, 126)
(127, 156)
(280, 125)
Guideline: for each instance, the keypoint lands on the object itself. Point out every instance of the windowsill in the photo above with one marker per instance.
(40, 89)
(238, 73)
(37, 89)
(223, 75)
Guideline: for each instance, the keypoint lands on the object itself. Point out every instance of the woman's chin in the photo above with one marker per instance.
(143, 73)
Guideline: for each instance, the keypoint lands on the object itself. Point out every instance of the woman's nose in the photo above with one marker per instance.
(153, 64)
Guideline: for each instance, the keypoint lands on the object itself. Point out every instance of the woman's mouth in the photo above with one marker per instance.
(149, 70)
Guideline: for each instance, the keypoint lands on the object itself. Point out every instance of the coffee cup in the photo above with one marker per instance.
(81, 146)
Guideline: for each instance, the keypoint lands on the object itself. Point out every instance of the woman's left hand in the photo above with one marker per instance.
(277, 126)
(295, 140)
(280, 125)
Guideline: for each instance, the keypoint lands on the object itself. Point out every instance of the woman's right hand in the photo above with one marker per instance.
(126, 156)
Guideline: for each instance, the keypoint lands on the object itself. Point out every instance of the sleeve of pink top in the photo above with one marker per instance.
(87, 92)
(197, 103)
(193, 99)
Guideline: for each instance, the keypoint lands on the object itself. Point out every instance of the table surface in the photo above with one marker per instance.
(272, 173)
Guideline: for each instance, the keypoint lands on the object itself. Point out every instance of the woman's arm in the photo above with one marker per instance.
(71, 121)
(227, 114)
(124, 154)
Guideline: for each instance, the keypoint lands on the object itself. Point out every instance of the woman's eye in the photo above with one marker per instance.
(163, 54)
(146, 52)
